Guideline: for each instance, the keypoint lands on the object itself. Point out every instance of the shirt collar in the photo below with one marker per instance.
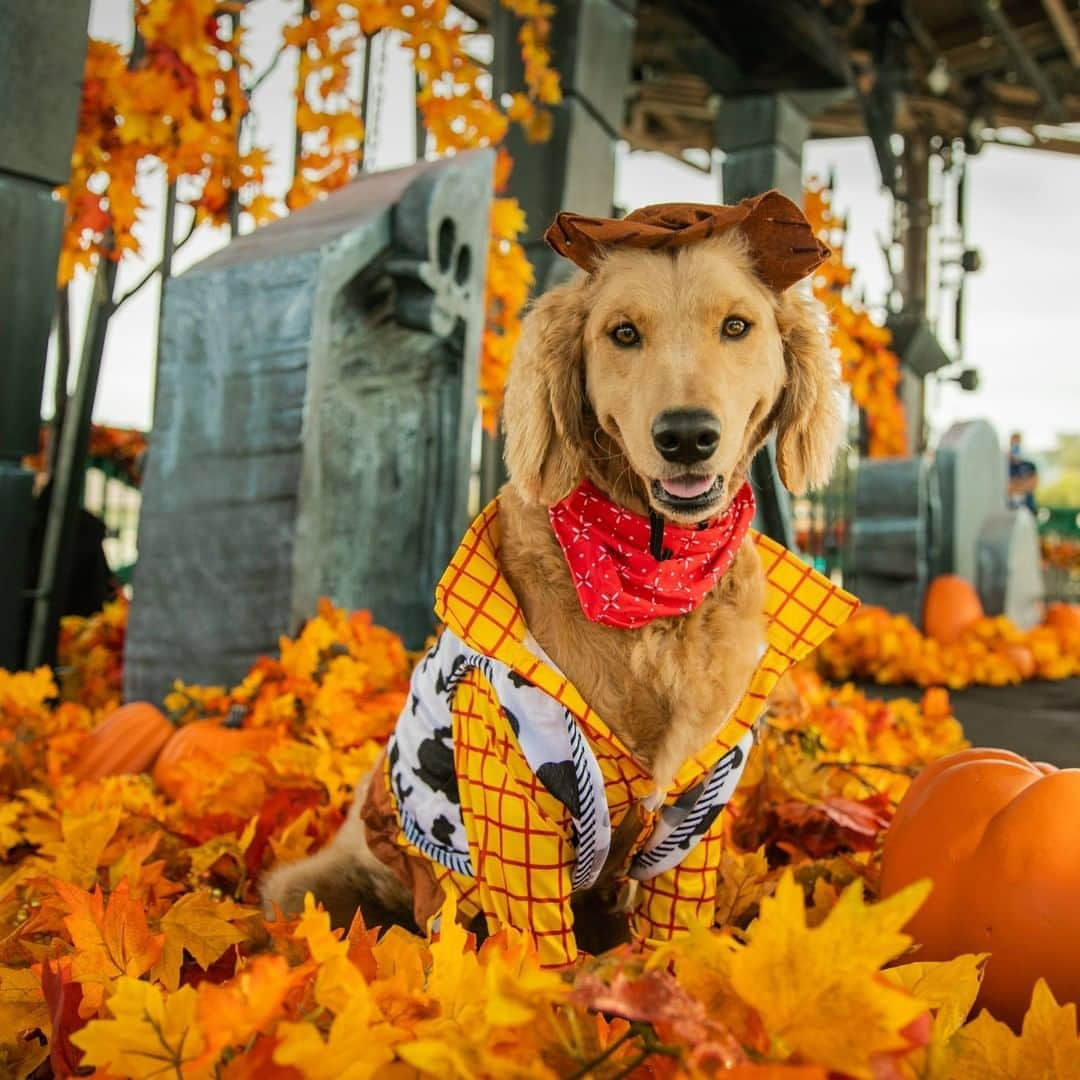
(474, 599)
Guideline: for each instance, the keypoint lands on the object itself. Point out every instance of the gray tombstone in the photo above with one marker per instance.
(316, 400)
(972, 478)
(1008, 571)
(896, 499)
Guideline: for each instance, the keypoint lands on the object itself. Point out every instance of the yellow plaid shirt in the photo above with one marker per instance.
(519, 834)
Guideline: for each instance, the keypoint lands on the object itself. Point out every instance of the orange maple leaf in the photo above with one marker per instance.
(110, 939)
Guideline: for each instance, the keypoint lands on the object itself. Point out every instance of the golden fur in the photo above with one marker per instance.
(577, 404)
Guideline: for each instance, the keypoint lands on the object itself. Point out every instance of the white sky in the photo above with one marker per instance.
(1022, 309)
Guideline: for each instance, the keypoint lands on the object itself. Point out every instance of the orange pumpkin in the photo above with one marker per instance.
(952, 606)
(1021, 658)
(205, 737)
(1064, 618)
(997, 836)
(126, 741)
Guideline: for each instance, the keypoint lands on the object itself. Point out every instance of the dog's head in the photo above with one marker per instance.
(659, 374)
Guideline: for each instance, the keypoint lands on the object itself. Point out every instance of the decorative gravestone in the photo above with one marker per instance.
(315, 410)
(1008, 571)
(972, 478)
(895, 500)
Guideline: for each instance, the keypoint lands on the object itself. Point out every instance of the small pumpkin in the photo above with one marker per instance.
(1064, 618)
(952, 606)
(126, 741)
(1021, 658)
(210, 736)
(996, 834)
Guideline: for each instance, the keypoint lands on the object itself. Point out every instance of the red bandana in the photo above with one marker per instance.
(618, 581)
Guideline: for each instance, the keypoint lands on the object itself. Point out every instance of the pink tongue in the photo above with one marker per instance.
(688, 487)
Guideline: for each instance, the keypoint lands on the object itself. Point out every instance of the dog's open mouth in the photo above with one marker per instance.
(688, 493)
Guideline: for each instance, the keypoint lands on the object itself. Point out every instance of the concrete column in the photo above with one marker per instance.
(762, 137)
(591, 43)
(42, 46)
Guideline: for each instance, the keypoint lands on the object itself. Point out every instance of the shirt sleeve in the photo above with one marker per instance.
(518, 833)
(673, 900)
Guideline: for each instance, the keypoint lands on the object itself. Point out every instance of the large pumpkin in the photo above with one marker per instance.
(204, 737)
(952, 606)
(997, 835)
(126, 741)
(1065, 618)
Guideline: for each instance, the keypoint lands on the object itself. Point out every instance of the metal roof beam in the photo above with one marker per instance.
(992, 11)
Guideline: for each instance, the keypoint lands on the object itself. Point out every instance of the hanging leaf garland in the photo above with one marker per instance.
(867, 364)
(178, 105)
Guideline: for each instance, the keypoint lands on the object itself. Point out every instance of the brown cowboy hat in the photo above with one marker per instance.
(782, 244)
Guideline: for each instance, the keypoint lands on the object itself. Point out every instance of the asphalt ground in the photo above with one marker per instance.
(1040, 720)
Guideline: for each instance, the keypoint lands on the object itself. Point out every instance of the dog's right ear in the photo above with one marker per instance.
(544, 407)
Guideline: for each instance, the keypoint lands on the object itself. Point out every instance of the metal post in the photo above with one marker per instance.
(62, 522)
(762, 137)
(916, 239)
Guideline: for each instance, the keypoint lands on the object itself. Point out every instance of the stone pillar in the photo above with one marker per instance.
(591, 43)
(762, 137)
(42, 46)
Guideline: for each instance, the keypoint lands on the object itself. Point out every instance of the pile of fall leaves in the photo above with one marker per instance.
(992, 651)
(130, 940)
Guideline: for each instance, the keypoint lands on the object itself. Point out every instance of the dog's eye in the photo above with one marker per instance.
(625, 334)
(734, 327)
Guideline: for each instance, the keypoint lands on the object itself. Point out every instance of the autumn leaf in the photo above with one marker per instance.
(63, 997)
(338, 980)
(109, 941)
(949, 987)
(201, 925)
(357, 1047)
(743, 882)
(22, 1010)
(818, 990)
(1047, 1045)
(230, 1014)
(151, 1034)
(84, 837)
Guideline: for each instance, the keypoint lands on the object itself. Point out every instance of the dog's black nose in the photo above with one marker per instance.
(686, 435)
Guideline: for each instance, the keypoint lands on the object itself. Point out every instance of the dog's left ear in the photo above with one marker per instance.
(809, 420)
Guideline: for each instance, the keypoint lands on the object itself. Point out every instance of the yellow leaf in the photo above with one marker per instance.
(150, 1035)
(314, 928)
(294, 841)
(358, 1046)
(10, 835)
(1047, 1046)
(818, 990)
(78, 854)
(22, 1008)
(949, 988)
(201, 925)
(743, 882)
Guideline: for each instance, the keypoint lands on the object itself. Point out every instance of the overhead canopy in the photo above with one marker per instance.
(985, 70)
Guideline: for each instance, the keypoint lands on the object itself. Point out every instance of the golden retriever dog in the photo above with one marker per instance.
(689, 337)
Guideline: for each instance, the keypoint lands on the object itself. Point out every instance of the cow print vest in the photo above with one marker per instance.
(425, 787)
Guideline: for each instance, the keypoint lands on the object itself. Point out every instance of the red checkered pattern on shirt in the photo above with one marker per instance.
(519, 834)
